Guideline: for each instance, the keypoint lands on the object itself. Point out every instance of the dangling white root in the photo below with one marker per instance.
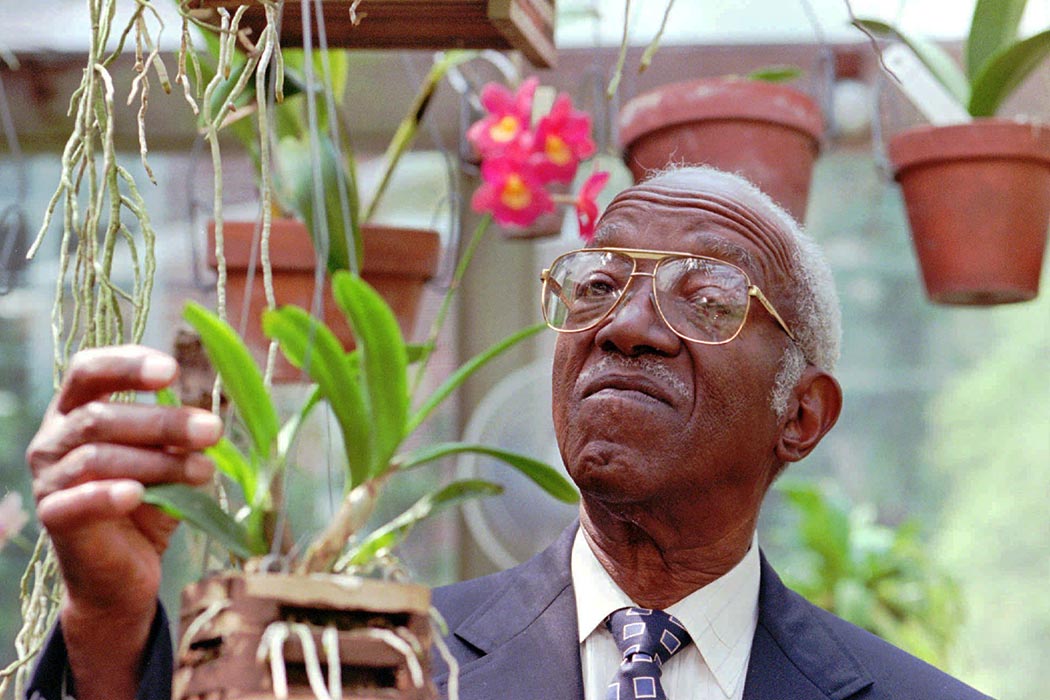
(312, 661)
(415, 669)
(199, 622)
(272, 645)
(330, 642)
(277, 633)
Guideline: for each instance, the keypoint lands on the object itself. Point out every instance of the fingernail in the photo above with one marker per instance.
(125, 495)
(158, 368)
(204, 428)
(198, 467)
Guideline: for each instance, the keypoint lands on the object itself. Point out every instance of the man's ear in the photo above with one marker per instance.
(812, 411)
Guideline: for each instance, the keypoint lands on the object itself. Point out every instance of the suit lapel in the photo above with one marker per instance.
(794, 655)
(533, 620)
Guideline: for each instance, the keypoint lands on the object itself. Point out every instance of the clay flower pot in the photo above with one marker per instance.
(978, 201)
(397, 262)
(239, 634)
(766, 132)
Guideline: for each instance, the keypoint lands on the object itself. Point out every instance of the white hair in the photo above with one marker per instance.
(792, 365)
(811, 301)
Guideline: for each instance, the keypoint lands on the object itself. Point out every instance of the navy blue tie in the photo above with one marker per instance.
(646, 638)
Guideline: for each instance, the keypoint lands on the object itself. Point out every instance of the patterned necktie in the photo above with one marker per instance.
(646, 638)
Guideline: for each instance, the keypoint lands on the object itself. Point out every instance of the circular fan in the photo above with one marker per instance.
(515, 415)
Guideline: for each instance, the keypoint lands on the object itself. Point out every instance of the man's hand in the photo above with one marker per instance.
(90, 460)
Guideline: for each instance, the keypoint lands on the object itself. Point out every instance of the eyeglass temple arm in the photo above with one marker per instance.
(757, 293)
(552, 284)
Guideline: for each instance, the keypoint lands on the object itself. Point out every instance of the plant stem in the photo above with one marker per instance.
(446, 302)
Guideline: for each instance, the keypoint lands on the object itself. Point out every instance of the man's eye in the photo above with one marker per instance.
(709, 304)
(596, 288)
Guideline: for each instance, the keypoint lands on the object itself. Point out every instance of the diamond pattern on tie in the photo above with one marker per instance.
(646, 638)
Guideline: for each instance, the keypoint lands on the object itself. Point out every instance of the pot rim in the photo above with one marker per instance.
(414, 252)
(984, 138)
(719, 98)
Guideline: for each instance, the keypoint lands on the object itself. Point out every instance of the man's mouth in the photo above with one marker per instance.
(627, 386)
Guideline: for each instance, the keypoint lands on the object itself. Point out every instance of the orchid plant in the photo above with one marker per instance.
(998, 59)
(368, 389)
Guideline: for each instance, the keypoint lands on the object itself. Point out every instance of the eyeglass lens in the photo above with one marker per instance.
(701, 299)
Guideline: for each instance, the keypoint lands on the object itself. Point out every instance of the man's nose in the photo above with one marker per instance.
(635, 325)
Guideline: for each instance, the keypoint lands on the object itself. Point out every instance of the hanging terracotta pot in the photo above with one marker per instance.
(524, 25)
(241, 634)
(397, 262)
(766, 132)
(978, 201)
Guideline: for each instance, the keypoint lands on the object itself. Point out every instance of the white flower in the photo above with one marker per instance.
(12, 517)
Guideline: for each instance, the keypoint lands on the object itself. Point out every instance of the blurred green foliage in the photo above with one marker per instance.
(990, 448)
(876, 576)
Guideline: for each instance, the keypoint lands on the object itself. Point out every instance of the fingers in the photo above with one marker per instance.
(107, 462)
(173, 429)
(96, 373)
(89, 503)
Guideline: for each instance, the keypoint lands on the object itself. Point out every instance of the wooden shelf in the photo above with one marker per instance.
(522, 25)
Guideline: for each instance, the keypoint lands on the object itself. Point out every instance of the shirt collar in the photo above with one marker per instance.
(721, 617)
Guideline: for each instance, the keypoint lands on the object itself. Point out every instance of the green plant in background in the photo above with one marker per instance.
(368, 393)
(997, 60)
(876, 576)
(313, 164)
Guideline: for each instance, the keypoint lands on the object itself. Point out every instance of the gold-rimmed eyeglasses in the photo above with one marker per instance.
(703, 300)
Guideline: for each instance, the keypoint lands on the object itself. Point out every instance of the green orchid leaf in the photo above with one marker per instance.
(200, 510)
(333, 77)
(417, 351)
(464, 372)
(932, 56)
(992, 29)
(393, 533)
(167, 397)
(775, 74)
(542, 474)
(328, 229)
(290, 430)
(384, 361)
(241, 378)
(309, 345)
(231, 461)
(1005, 71)
(409, 126)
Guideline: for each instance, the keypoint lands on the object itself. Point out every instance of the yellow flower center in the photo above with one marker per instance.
(557, 151)
(505, 129)
(515, 194)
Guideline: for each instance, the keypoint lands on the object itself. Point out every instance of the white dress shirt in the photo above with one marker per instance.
(720, 617)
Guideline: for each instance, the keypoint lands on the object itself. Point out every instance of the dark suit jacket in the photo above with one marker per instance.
(514, 635)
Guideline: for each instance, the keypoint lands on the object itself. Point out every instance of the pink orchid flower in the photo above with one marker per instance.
(563, 139)
(511, 192)
(509, 116)
(12, 517)
(587, 206)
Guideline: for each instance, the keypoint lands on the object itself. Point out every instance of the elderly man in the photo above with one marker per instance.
(697, 336)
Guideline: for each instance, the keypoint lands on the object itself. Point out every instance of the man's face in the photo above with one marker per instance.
(643, 417)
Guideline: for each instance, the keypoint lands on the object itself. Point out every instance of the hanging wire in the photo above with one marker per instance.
(453, 197)
(335, 135)
(320, 219)
(825, 82)
(13, 220)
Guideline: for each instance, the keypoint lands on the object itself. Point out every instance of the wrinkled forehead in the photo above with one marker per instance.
(721, 219)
